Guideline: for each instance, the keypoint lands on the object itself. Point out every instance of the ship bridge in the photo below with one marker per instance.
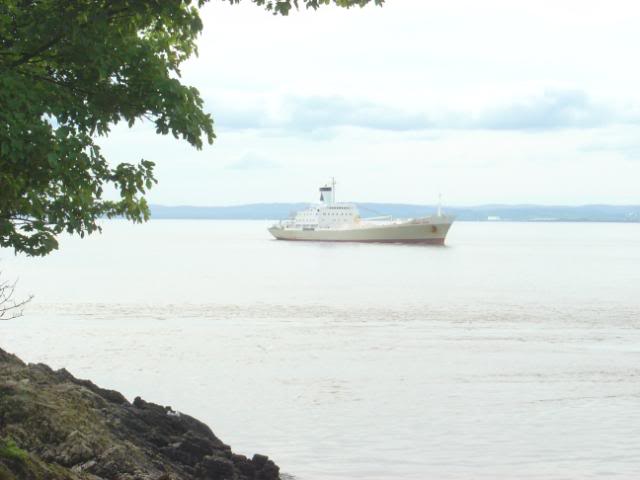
(327, 214)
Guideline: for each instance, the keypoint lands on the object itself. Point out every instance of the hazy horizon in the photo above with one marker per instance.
(454, 205)
(522, 212)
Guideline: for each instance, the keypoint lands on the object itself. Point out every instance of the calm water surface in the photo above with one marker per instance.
(514, 352)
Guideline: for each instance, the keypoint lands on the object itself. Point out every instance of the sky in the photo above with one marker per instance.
(490, 101)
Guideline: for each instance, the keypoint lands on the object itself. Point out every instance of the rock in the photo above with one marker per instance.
(71, 429)
(265, 468)
(75, 450)
(259, 460)
(84, 466)
(216, 468)
(244, 465)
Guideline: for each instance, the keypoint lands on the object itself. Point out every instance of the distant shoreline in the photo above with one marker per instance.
(486, 213)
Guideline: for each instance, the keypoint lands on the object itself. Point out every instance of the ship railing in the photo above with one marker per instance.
(379, 218)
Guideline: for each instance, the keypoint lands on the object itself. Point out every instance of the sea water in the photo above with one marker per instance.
(512, 352)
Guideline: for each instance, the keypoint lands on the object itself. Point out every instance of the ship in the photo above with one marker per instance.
(330, 221)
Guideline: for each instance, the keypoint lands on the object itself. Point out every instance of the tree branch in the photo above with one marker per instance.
(28, 56)
(9, 307)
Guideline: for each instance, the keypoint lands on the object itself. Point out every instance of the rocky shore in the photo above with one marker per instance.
(54, 426)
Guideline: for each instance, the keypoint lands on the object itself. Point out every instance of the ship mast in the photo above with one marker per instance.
(333, 189)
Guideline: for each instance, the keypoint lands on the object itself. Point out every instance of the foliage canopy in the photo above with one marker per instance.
(69, 71)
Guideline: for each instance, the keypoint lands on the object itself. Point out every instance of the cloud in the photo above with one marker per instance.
(239, 117)
(310, 113)
(252, 161)
(551, 110)
(628, 148)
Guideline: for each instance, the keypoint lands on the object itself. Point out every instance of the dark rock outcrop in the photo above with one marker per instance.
(54, 426)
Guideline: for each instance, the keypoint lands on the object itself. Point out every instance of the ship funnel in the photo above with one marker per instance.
(327, 195)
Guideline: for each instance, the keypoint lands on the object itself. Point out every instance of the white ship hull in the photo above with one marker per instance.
(429, 230)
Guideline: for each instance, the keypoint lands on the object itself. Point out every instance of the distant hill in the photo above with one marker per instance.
(520, 213)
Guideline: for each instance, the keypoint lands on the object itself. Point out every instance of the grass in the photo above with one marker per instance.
(10, 451)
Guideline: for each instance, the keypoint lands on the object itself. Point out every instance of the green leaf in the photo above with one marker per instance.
(52, 158)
